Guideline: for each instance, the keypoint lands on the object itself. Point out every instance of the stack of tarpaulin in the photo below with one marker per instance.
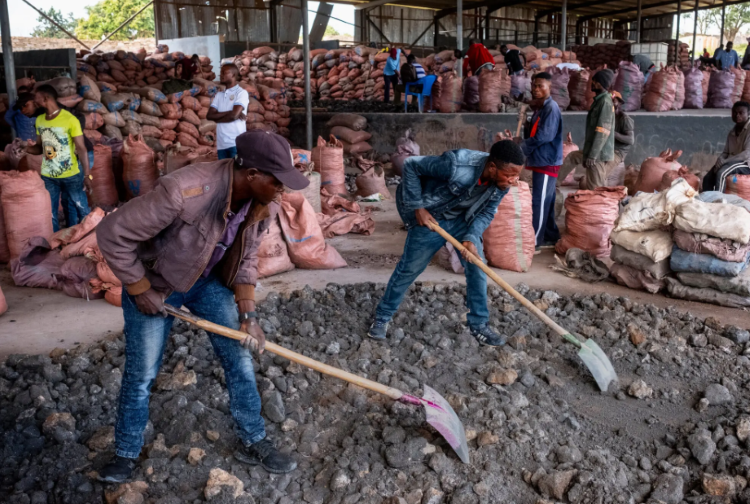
(696, 247)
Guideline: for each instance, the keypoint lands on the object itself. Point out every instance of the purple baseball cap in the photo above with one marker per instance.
(269, 153)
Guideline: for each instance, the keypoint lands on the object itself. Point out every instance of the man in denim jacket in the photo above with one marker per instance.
(460, 191)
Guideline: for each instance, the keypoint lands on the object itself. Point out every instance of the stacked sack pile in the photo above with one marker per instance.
(120, 93)
(349, 130)
(712, 250)
(694, 246)
(68, 260)
(599, 55)
(665, 90)
(642, 239)
(682, 61)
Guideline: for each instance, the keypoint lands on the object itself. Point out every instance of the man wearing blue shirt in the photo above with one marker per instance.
(542, 146)
(460, 191)
(22, 117)
(391, 74)
(727, 58)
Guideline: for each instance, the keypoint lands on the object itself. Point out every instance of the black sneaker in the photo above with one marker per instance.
(486, 336)
(118, 470)
(378, 330)
(265, 454)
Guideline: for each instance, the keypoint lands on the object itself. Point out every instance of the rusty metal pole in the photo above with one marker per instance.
(10, 67)
(308, 93)
(564, 28)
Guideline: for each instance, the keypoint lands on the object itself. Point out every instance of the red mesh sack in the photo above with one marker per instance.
(139, 167)
(653, 169)
(329, 162)
(509, 241)
(104, 190)
(27, 209)
(273, 257)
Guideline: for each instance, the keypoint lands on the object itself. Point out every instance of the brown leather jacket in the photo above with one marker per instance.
(165, 238)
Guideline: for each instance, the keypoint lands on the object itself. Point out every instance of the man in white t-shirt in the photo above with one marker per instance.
(229, 110)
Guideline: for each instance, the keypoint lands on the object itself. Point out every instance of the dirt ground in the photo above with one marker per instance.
(39, 320)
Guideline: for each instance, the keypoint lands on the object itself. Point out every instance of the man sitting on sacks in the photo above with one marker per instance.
(734, 160)
(597, 158)
(194, 241)
(460, 191)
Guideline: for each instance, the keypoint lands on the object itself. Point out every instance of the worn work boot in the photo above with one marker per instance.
(118, 470)
(378, 330)
(486, 336)
(265, 454)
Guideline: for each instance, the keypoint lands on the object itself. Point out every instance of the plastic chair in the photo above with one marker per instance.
(426, 82)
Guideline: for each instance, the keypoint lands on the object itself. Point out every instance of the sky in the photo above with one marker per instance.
(24, 18)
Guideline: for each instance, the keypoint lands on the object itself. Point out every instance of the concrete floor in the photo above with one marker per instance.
(39, 320)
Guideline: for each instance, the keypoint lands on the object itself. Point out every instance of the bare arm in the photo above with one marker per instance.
(82, 154)
(225, 117)
(35, 149)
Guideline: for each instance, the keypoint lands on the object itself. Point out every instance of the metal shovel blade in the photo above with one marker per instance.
(598, 363)
(441, 416)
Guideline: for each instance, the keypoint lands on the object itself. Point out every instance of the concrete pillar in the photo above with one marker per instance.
(306, 58)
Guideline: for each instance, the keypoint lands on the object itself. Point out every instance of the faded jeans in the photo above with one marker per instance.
(227, 153)
(74, 198)
(421, 245)
(145, 340)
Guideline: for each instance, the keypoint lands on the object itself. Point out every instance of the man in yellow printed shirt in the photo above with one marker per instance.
(65, 162)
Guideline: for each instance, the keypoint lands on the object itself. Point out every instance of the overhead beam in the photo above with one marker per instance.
(370, 5)
(655, 5)
(573, 7)
(377, 29)
(493, 5)
(320, 23)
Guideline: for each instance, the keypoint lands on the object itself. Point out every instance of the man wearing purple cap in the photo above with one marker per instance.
(194, 241)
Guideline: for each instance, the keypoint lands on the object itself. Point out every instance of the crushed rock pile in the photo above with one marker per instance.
(675, 429)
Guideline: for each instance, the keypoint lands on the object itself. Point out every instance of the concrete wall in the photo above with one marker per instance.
(700, 134)
(208, 45)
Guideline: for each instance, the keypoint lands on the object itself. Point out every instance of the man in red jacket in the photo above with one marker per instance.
(477, 58)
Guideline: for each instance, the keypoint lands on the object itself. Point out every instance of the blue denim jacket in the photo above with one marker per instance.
(439, 183)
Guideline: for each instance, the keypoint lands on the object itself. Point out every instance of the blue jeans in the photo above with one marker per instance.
(227, 153)
(74, 198)
(145, 339)
(421, 245)
(72, 215)
(543, 208)
(390, 80)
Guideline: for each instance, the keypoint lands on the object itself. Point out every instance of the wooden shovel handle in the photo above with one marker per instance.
(521, 120)
(499, 281)
(391, 392)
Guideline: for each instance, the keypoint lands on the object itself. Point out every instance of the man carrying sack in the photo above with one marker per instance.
(194, 241)
(598, 154)
(460, 191)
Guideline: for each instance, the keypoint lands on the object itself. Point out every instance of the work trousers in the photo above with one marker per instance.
(227, 153)
(391, 80)
(543, 208)
(75, 202)
(145, 339)
(716, 178)
(421, 245)
(595, 177)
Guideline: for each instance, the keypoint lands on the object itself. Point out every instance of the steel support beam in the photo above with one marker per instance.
(487, 20)
(695, 29)
(421, 35)
(306, 59)
(564, 25)
(369, 20)
(320, 22)
(460, 34)
(8, 63)
(493, 5)
(723, 15)
(639, 22)
(677, 37)
(45, 16)
(123, 25)
(572, 7)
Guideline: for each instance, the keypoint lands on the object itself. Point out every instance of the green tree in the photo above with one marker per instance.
(46, 29)
(331, 31)
(705, 21)
(736, 18)
(107, 15)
